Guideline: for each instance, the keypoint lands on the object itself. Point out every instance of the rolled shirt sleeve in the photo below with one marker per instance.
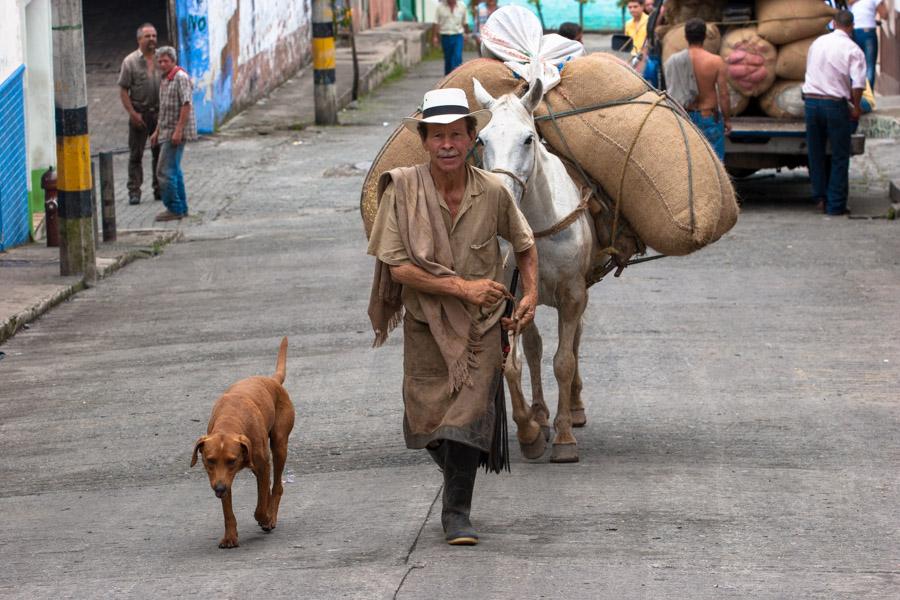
(385, 242)
(858, 70)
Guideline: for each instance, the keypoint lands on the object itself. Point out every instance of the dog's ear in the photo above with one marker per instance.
(244, 441)
(198, 447)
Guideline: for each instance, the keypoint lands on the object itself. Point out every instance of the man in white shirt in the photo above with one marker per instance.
(450, 22)
(865, 30)
(835, 77)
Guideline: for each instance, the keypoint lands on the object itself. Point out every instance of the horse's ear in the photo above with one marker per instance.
(534, 95)
(482, 95)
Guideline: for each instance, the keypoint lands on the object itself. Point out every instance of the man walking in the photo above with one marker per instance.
(176, 126)
(438, 256)
(835, 75)
(636, 28)
(139, 92)
(450, 22)
(698, 80)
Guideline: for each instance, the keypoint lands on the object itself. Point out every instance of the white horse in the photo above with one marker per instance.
(567, 246)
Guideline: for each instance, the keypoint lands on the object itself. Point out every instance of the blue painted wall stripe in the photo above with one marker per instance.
(192, 17)
(14, 226)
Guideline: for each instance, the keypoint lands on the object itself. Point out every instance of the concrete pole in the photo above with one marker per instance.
(73, 147)
(323, 63)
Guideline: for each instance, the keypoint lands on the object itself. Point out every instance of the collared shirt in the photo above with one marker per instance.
(864, 13)
(637, 32)
(834, 65)
(486, 211)
(450, 21)
(173, 94)
(142, 86)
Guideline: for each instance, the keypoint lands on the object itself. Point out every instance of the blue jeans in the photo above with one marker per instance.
(868, 41)
(713, 127)
(453, 47)
(651, 70)
(171, 179)
(828, 121)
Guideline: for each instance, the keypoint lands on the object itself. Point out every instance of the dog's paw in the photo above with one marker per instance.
(267, 524)
(229, 542)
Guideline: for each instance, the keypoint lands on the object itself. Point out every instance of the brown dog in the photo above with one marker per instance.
(252, 415)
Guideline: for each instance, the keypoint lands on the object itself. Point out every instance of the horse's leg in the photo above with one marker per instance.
(579, 419)
(531, 439)
(565, 448)
(534, 350)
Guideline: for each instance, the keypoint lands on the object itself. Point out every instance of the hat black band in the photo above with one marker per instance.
(446, 109)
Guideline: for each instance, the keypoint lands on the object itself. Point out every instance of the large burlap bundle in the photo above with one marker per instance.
(750, 61)
(783, 100)
(674, 41)
(675, 205)
(791, 61)
(785, 21)
(737, 101)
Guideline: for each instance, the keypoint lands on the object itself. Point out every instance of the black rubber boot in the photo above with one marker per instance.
(460, 466)
(437, 454)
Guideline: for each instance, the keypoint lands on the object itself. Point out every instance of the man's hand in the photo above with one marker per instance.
(154, 138)
(177, 137)
(484, 292)
(523, 315)
(137, 120)
(855, 113)
(727, 126)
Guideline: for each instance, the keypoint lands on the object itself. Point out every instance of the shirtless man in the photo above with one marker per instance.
(711, 109)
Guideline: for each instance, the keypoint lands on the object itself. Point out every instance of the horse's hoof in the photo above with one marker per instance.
(564, 453)
(534, 449)
(545, 429)
(579, 419)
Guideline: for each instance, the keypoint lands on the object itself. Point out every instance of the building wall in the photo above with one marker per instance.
(14, 220)
(40, 117)
(598, 15)
(888, 82)
(236, 51)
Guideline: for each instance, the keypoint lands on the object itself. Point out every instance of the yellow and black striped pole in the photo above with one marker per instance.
(323, 63)
(73, 145)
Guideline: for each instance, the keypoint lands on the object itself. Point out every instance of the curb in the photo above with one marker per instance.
(11, 325)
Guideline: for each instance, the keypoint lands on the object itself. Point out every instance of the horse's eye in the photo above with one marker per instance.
(528, 140)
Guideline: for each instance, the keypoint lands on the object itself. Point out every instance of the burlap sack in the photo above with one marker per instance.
(791, 61)
(737, 101)
(676, 194)
(676, 205)
(679, 11)
(750, 61)
(785, 21)
(783, 100)
(674, 41)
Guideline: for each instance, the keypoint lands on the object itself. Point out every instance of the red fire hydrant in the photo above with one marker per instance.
(51, 208)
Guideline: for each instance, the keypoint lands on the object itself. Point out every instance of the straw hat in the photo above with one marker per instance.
(446, 106)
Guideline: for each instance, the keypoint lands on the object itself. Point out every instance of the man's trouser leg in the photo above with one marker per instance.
(458, 42)
(447, 46)
(816, 139)
(839, 128)
(151, 119)
(867, 39)
(460, 467)
(137, 138)
(171, 181)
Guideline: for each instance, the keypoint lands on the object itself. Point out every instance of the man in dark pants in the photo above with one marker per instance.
(832, 91)
(139, 92)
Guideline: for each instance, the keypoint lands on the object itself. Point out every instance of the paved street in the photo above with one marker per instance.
(742, 437)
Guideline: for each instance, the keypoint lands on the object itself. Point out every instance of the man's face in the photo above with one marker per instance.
(147, 39)
(165, 63)
(648, 6)
(635, 9)
(448, 145)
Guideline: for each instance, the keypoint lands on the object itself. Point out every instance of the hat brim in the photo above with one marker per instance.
(482, 118)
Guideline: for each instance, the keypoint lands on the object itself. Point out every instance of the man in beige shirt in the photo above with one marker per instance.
(436, 240)
(450, 22)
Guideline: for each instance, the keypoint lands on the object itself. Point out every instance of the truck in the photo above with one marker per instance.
(755, 142)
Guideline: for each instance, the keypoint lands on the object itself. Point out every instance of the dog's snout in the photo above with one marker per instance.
(220, 489)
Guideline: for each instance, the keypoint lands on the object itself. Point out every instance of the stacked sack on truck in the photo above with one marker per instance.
(766, 58)
(600, 114)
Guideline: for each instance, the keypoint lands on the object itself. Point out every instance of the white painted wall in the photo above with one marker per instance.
(40, 116)
(263, 24)
(12, 52)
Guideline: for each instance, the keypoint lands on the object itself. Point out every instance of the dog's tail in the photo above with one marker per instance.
(281, 368)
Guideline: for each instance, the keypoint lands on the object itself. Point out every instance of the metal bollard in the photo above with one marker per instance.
(108, 196)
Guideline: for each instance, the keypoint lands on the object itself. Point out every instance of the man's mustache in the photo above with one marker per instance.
(448, 154)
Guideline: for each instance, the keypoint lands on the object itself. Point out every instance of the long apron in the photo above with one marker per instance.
(432, 412)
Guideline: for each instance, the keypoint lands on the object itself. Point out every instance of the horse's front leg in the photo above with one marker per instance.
(565, 448)
(533, 346)
(579, 419)
(532, 441)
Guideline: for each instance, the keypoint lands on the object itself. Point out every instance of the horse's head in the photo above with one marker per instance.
(509, 142)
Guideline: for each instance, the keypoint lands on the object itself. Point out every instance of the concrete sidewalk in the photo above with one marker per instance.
(31, 283)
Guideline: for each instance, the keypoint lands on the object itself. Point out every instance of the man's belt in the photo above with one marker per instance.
(143, 109)
(823, 97)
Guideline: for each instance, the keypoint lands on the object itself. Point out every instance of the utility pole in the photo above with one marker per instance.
(73, 145)
(323, 63)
